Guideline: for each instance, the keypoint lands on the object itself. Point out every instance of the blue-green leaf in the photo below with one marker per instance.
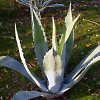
(67, 48)
(66, 87)
(86, 68)
(78, 73)
(68, 29)
(24, 2)
(54, 39)
(56, 5)
(84, 65)
(11, 63)
(76, 79)
(36, 80)
(39, 37)
(26, 95)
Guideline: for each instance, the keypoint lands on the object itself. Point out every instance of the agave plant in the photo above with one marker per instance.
(39, 5)
(53, 62)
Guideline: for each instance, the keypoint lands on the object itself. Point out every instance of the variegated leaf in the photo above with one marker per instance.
(27, 95)
(66, 35)
(93, 55)
(53, 70)
(24, 2)
(67, 48)
(66, 87)
(54, 39)
(39, 37)
(56, 5)
(86, 67)
(11, 63)
(76, 79)
(36, 80)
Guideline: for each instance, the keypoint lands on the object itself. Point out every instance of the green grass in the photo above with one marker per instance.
(86, 38)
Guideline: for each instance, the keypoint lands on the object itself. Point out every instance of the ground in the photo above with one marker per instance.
(87, 37)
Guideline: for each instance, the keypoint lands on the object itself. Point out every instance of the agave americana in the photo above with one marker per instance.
(39, 5)
(53, 62)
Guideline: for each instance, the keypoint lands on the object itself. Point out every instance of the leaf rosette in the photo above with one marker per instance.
(53, 62)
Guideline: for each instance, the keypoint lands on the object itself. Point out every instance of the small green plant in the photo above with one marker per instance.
(39, 5)
(53, 62)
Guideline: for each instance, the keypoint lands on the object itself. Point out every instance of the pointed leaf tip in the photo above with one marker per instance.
(76, 18)
(34, 78)
(70, 5)
(54, 39)
(39, 37)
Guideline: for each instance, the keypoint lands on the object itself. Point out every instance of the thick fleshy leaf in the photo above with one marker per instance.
(56, 5)
(47, 2)
(36, 80)
(66, 87)
(76, 79)
(53, 70)
(86, 68)
(54, 39)
(45, 5)
(38, 3)
(24, 2)
(67, 48)
(27, 95)
(68, 18)
(11, 63)
(66, 35)
(93, 55)
(39, 37)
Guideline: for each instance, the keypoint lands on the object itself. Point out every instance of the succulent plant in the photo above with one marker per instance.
(39, 5)
(53, 62)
